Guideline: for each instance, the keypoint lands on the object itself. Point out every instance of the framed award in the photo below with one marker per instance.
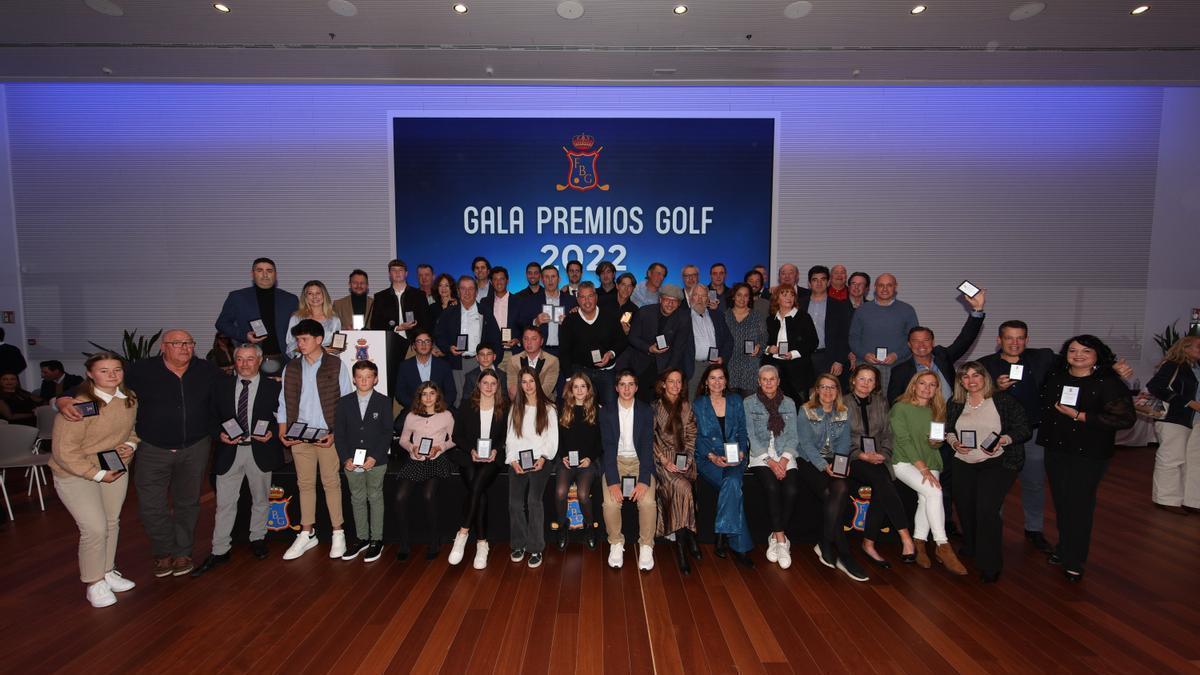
(597, 357)
(232, 428)
(628, 483)
(968, 289)
(360, 457)
(966, 438)
(840, 465)
(505, 334)
(88, 408)
(937, 431)
(296, 430)
(462, 341)
(732, 454)
(1016, 371)
(881, 353)
(681, 461)
(1070, 395)
(425, 446)
(748, 347)
(525, 457)
(259, 328)
(483, 448)
(339, 341)
(626, 317)
(261, 427)
(310, 434)
(713, 354)
(110, 460)
(660, 341)
(573, 458)
(783, 347)
(990, 443)
(868, 444)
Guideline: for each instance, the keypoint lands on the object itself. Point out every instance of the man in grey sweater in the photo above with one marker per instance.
(883, 325)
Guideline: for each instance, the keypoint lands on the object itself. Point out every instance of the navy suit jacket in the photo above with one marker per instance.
(643, 440)
(449, 325)
(241, 307)
(644, 330)
(515, 307)
(352, 431)
(408, 378)
(724, 342)
(837, 327)
(268, 456)
(943, 357)
(531, 306)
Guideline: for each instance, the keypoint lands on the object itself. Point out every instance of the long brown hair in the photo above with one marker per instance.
(542, 403)
(589, 402)
(674, 408)
(499, 401)
(937, 404)
(438, 406)
(87, 390)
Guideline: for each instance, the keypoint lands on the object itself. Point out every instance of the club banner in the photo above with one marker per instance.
(553, 190)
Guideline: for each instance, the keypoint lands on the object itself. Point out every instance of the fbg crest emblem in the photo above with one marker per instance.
(361, 349)
(277, 511)
(581, 165)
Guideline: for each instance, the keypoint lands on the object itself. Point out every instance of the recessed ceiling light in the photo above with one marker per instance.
(107, 7)
(221, 7)
(342, 7)
(918, 9)
(569, 9)
(798, 10)
(460, 8)
(1026, 11)
(680, 9)
(1140, 9)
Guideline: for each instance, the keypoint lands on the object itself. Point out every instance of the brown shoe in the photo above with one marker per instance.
(183, 565)
(922, 554)
(945, 555)
(162, 567)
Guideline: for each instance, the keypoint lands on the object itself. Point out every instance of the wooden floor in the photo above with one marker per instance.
(1138, 611)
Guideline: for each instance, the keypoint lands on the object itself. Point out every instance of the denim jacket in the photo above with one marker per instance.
(823, 434)
(760, 437)
(708, 430)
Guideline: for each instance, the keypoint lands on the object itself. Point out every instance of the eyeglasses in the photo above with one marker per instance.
(180, 344)
(423, 342)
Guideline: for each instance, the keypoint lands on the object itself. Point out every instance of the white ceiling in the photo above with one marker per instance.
(615, 40)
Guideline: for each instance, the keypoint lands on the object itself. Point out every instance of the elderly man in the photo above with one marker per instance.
(660, 338)
(789, 275)
(838, 276)
(709, 331)
(879, 329)
(174, 421)
(467, 319)
(250, 400)
(647, 292)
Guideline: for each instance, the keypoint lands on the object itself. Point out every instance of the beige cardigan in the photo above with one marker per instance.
(77, 444)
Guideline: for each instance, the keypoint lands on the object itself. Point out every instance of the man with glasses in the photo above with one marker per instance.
(174, 420)
(262, 301)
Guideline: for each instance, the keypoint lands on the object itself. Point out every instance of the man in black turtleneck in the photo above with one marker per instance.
(354, 310)
(264, 301)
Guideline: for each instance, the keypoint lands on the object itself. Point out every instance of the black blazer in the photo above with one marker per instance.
(386, 314)
(267, 456)
(488, 306)
(724, 343)
(1175, 385)
(47, 392)
(408, 378)
(802, 337)
(449, 325)
(466, 430)
(643, 440)
(837, 327)
(531, 305)
(943, 357)
(471, 380)
(352, 431)
(1106, 403)
(1012, 424)
(644, 329)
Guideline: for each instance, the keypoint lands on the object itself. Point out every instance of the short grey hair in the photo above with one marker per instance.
(768, 368)
(249, 345)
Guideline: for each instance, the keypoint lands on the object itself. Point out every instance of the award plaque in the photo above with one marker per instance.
(841, 465)
(462, 341)
(990, 443)
(966, 438)
(232, 429)
(88, 408)
(713, 354)
(1070, 395)
(111, 461)
(1016, 371)
(782, 347)
(505, 334)
(360, 457)
(597, 357)
(732, 455)
(338, 341)
(259, 328)
(321, 434)
(628, 483)
(937, 431)
(483, 448)
(712, 296)
(358, 322)
(573, 459)
(626, 317)
(295, 431)
(748, 347)
(681, 461)
(560, 313)
(525, 457)
(881, 353)
(310, 434)
(261, 427)
(661, 341)
(410, 317)
(968, 289)
(425, 446)
(868, 444)
(548, 310)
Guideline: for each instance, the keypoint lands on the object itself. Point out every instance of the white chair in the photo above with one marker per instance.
(16, 452)
(45, 430)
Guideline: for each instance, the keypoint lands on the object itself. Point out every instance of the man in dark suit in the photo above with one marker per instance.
(627, 440)
(11, 358)
(55, 380)
(265, 301)
(831, 318)
(247, 398)
(708, 330)
(400, 310)
(423, 367)
(939, 359)
(464, 319)
(644, 357)
(505, 309)
(485, 356)
(547, 309)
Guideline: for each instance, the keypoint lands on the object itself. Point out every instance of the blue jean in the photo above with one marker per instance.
(1033, 486)
(731, 516)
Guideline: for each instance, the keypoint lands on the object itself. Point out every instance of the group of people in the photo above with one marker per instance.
(604, 385)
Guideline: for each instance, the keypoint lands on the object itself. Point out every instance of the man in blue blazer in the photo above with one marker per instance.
(533, 306)
(265, 301)
(627, 440)
(467, 318)
(423, 367)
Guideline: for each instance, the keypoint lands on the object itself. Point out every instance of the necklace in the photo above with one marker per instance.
(976, 406)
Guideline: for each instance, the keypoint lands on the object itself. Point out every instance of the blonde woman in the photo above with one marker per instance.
(918, 463)
(315, 304)
(1177, 462)
(92, 494)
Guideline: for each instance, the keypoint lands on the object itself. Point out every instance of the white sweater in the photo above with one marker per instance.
(544, 444)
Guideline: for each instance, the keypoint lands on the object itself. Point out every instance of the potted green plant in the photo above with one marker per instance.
(133, 347)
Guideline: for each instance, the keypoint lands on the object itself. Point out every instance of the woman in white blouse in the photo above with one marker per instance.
(530, 447)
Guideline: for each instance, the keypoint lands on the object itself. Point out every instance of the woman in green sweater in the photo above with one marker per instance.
(918, 463)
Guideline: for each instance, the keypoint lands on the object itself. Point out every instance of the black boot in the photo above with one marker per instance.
(722, 547)
(692, 543)
(681, 557)
(561, 533)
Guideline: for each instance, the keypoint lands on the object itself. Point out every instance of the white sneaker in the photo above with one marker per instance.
(783, 552)
(616, 555)
(100, 595)
(646, 558)
(304, 541)
(772, 551)
(481, 553)
(459, 547)
(339, 545)
(117, 583)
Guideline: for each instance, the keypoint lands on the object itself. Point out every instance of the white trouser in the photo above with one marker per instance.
(931, 516)
(1177, 466)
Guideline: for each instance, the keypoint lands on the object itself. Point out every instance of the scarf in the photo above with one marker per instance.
(774, 419)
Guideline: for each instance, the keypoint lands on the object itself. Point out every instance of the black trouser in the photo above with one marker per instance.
(834, 494)
(429, 495)
(477, 477)
(1073, 484)
(584, 477)
(795, 377)
(979, 494)
(168, 489)
(885, 501)
(780, 495)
